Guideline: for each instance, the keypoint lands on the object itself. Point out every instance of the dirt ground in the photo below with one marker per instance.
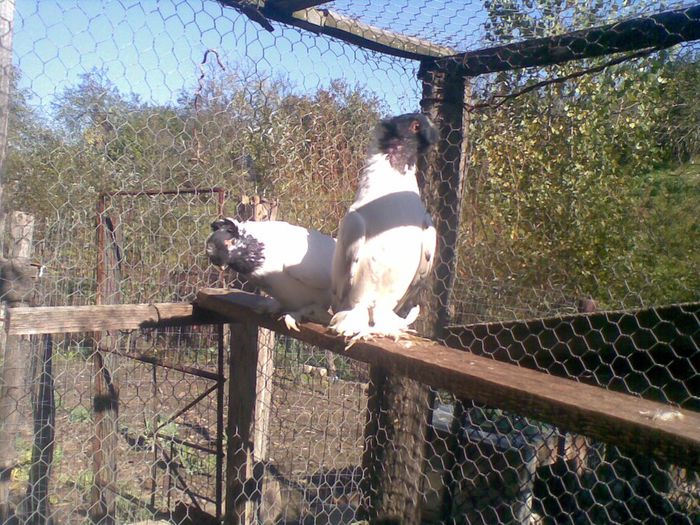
(316, 426)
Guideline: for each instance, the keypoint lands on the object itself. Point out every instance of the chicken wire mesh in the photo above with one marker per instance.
(576, 190)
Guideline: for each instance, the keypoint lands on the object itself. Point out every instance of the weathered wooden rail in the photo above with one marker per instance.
(636, 425)
(475, 370)
(628, 422)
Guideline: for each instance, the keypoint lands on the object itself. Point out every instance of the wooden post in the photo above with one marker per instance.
(399, 408)
(222, 339)
(441, 179)
(104, 464)
(443, 100)
(106, 392)
(243, 365)
(16, 288)
(7, 15)
(249, 451)
(44, 434)
(395, 440)
(262, 210)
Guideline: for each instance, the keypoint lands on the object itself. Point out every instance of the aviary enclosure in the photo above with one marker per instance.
(563, 381)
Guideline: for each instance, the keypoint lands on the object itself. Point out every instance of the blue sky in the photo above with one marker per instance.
(153, 48)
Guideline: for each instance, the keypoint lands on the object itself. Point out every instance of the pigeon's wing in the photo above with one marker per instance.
(344, 278)
(425, 265)
(313, 267)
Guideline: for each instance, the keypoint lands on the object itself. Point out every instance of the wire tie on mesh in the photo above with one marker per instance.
(200, 80)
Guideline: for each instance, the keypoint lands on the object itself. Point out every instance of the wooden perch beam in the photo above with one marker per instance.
(65, 319)
(327, 22)
(661, 30)
(631, 423)
(290, 6)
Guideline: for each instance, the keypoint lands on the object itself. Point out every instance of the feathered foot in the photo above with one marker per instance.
(350, 322)
(313, 312)
(354, 325)
(290, 321)
(388, 324)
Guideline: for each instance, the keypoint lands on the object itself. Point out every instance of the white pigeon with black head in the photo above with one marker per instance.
(290, 263)
(386, 241)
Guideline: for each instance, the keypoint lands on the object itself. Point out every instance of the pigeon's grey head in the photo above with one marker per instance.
(405, 137)
(228, 245)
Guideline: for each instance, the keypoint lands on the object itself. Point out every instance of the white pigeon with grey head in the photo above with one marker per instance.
(386, 241)
(290, 263)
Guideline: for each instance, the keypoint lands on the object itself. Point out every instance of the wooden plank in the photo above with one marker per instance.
(327, 22)
(289, 6)
(622, 420)
(653, 352)
(354, 32)
(92, 318)
(241, 415)
(661, 30)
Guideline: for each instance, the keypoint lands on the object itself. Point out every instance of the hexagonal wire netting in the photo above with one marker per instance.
(576, 191)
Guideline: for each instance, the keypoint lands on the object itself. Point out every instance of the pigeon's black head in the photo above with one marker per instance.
(230, 246)
(405, 137)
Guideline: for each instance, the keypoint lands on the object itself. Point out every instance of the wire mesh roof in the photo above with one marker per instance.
(464, 25)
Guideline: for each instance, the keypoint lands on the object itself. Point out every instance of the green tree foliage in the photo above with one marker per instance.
(567, 183)
(247, 134)
(583, 187)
